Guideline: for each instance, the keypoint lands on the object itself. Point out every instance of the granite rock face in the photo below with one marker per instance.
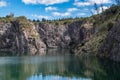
(54, 36)
(18, 39)
(24, 37)
(63, 35)
(111, 46)
(80, 31)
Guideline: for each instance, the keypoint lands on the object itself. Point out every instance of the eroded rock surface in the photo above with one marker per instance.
(54, 36)
(18, 39)
(111, 46)
(24, 36)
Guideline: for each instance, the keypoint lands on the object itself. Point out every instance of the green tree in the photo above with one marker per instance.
(38, 20)
(118, 2)
(11, 15)
(43, 20)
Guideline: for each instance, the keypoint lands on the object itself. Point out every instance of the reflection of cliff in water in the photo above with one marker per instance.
(57, 65)
(54, 77)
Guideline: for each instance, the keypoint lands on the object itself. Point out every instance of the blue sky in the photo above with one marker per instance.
(51, 9)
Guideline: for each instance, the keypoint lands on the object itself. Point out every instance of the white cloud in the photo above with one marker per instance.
(81, 14)
(61, 14)
(100, 10)
(45, 2)
(100, 1)
(67, 13)
(91, 2)
(72, 9)
(40, 16)
(104, 8)
(82, 3)
(50, 8)
(3, 3)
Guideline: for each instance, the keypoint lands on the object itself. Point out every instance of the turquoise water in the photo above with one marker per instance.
(57, 65)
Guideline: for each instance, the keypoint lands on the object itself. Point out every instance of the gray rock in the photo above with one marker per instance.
(54, 36)
(111, 46)
(18, 40)
(32, 39)
(63, 35)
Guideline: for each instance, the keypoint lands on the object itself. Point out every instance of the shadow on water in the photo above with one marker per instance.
(58, 65)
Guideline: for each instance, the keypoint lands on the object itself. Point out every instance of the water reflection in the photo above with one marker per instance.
(56, 66)
(54, 77)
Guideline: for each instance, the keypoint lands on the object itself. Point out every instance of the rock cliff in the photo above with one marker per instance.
(105, 39)
(20, 38)
(64, 35)
(111, 45)
(54, 35)
(24, 36)
(80, 31)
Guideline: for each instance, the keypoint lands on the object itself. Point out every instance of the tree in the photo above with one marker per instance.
(96, 8)
(101, 5)
(21, 19)
(34, 20)
(43, 20)
(117, 2)
(11, 15)
(38, 20)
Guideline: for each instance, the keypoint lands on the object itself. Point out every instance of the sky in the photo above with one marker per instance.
(51, 9)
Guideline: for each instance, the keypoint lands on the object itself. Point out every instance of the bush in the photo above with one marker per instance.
(109, 26)
(24, 23)
(21, 19)
(57, 23)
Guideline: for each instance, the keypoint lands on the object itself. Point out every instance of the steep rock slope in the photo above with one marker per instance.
(105, 41)
(80, 31)
(53, 35)
(23, 36)
(20, 37)
(65, 35)
(111, 45)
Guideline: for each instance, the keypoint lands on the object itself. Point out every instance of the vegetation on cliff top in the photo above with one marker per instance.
(102, 23)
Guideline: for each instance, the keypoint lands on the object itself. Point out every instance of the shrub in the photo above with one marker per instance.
(109, 26)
